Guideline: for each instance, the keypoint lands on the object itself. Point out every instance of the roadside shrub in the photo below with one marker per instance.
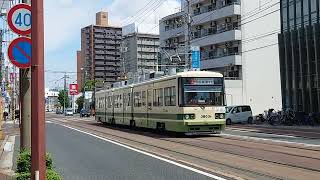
(24, 162)
(50, 175)
(24, 167)
(23, 176)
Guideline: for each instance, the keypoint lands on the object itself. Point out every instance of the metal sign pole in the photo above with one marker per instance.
(38, 165)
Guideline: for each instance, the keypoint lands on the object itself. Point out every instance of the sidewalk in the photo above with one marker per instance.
(10, 130)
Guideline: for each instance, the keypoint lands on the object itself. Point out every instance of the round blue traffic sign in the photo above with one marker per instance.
(19, 52)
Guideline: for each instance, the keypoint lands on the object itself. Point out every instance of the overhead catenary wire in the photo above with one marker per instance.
(127, 20)
(152, 10)
(142, 14)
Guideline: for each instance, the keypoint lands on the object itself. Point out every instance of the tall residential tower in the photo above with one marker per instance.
(100, 48)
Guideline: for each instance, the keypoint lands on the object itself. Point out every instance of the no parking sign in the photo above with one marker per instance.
(19, 52)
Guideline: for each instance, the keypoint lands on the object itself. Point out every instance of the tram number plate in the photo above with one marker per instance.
(206, 116)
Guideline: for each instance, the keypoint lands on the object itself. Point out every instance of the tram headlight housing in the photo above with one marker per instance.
(220, 115)
(189, 116)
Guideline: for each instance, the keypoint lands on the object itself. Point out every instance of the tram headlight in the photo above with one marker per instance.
(222, 116)
(219, 115)
(189, 116)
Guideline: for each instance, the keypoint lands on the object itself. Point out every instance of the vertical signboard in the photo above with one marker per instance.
(73, 89)
(195, 55)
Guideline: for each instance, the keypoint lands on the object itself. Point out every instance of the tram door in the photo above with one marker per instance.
(149, 105)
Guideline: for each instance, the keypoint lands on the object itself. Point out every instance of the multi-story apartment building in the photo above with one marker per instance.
(173, 41)
(299, 43)
(140, 52)
(237, 38)
(100, 50)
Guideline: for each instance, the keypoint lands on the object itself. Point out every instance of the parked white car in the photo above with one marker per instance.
(69, 112)
(238, 114)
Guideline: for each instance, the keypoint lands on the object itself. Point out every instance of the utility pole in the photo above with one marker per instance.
(25, 105)
(189, 34)
(64, 91)
(13, 92)
(38, 135)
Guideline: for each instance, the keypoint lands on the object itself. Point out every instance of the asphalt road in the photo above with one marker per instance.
(78, 156)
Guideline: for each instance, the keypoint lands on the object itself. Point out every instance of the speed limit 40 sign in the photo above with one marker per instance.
(19, 19)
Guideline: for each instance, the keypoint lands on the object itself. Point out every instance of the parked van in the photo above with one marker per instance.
(238, 114)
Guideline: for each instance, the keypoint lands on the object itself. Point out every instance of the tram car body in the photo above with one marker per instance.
(188, 102)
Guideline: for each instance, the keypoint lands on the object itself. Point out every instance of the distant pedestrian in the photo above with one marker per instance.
(5, 115)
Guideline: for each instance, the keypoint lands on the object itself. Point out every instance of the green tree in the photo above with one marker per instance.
(63, 98)
(79, 102)
(90, 85)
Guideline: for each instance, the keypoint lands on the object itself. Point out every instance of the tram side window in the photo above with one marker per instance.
(120, 101)
(173, 96)
(137, 99)
(149, 98)
(143, 98)
(116, 104)
(160, 97)
(155, 98)
(170, 96)
(109, 101)
(129, 100)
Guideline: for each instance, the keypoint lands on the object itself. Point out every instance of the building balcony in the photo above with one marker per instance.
(212, 38)
(222, 60)
(225, 11)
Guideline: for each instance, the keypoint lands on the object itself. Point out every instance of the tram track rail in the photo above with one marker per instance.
(92, 128)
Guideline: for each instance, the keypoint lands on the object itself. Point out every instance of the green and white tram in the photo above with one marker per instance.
(188, 102)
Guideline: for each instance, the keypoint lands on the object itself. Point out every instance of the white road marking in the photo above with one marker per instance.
(272, 140)
(147, 154)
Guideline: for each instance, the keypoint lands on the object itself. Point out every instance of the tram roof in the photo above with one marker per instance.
(166, 77)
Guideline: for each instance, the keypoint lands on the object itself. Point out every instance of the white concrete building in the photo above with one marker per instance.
(51, 96)
(238, 38)
(173, 39)
(139, 52)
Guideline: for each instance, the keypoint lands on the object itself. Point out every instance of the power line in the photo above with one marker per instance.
(138, 13)
(153, 9)
(146, 11)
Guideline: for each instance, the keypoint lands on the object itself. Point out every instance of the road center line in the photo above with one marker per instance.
(145, 153)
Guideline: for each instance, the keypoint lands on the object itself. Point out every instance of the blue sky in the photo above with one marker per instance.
(65, 18)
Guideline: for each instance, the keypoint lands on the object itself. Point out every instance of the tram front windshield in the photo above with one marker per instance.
(202, 92)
